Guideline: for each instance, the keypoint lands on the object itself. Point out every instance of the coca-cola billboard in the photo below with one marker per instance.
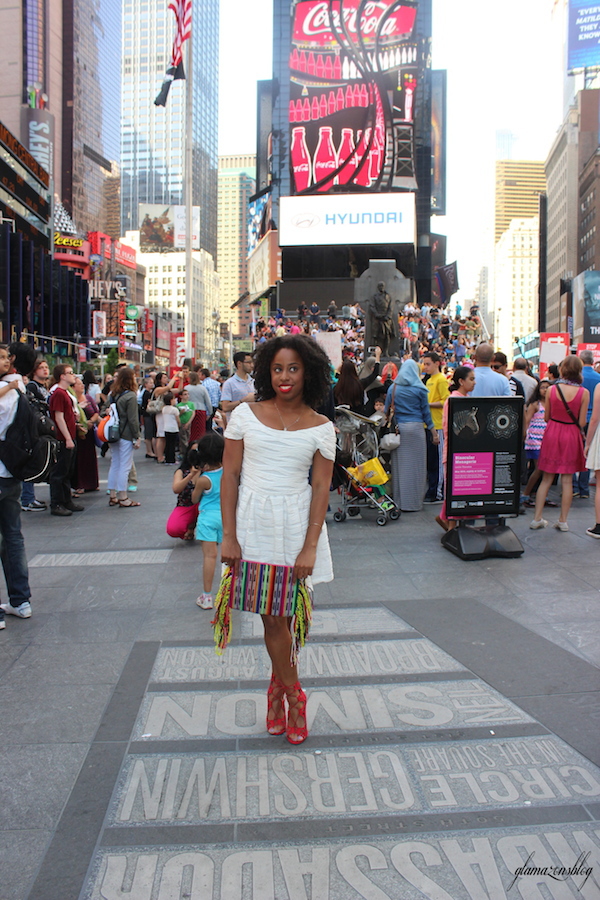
(353, 70)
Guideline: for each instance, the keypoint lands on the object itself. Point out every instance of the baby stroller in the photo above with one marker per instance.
(358, 473)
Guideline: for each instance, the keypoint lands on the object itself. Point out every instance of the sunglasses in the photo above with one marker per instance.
(496, 366)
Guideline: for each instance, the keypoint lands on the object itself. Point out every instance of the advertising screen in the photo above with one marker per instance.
(484, 456)
(438, 142)
(162, 228)
(584, 34)
(353, 71)
(347, 219)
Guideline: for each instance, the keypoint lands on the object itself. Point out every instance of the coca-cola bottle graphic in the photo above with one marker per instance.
(362, 177)
(346, 153)
(323, 106)
(325, 161)
(410, 83)
(301, 168)
(306, 110)
(339, 100)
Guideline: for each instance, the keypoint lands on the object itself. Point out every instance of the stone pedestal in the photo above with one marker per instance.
(396, 285)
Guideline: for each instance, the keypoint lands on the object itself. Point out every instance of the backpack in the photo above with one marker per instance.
(30, 448)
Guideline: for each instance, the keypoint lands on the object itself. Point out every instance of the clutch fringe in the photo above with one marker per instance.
(222, 620)
(301, 621)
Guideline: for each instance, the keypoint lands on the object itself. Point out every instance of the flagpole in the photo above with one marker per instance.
(189, 141)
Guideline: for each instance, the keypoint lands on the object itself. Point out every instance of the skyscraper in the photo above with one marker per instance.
(153, 137)
(236, 186)
(519, 184)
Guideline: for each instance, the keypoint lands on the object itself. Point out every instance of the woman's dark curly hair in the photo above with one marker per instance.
(317, 369)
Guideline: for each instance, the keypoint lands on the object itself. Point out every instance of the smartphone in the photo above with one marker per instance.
(371, 350)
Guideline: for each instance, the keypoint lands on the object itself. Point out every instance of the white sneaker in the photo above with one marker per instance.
(2, 624)
(561, 526)
(23, 611)
(538, 523)
(205, 601)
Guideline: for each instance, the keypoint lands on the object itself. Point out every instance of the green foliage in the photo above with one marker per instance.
(112, 360)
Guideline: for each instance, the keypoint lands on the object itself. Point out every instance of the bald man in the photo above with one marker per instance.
(487, 382)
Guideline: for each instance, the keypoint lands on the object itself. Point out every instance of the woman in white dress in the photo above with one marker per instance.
(592, 451)
(271, 514)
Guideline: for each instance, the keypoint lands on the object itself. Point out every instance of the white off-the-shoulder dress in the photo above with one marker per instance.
(274, 495)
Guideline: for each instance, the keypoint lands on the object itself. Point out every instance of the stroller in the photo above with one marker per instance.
(358, 473)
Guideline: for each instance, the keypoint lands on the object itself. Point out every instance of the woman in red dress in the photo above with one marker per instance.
(562, 446)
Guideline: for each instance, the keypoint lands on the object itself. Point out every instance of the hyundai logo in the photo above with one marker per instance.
(306, 220)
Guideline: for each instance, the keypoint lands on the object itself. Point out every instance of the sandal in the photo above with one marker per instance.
(128, 502)
(296, 699)
(275, 723)
(113, 501)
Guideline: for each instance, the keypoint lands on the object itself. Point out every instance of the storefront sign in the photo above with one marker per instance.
(177, 349)
(67, 240)
(553, 349)
(484, 456)
(595, 348)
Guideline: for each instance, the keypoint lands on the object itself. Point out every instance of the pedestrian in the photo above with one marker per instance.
(170, 426)
(437, 388)
(148, 420)
(535, 428)
(591, 380)
(592, 449)
(240, 387)
(37, 390)
(280, 520)
(12, 546)
(408, 399)
(348, 390)
(463, 382)
(209, 524)
(487, 382)
(65, 413)
(162, 384)
(85, 476)
(182, 521)
(203, 408)
(562, 447)
(123, 395)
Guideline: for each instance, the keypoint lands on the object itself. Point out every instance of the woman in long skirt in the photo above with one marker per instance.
(409, 399)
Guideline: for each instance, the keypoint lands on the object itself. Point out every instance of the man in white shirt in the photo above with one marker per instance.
(520, 374)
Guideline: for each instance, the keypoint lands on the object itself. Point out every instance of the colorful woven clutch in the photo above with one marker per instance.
(266, 589)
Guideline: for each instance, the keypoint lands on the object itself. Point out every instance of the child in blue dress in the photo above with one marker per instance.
(209, 527)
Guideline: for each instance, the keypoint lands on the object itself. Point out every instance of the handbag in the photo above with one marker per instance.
(391, 438)
(155, 405)
(265, 589)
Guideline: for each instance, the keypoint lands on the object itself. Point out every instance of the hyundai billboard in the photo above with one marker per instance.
(353, 79)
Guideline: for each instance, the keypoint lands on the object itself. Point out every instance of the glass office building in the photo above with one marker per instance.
(91, 112)
(153, 137)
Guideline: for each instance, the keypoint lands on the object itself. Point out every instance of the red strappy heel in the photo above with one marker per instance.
(296, 699)
(275, 724)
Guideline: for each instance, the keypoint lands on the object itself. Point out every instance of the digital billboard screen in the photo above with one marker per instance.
(584, 34)
(162, 228)
(353, 77)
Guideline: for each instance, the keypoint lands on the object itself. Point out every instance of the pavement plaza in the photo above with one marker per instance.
(454, 713)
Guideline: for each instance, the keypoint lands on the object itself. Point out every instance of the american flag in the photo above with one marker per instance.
(183, 22)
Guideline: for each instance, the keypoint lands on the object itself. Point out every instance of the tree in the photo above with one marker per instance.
(112, 360)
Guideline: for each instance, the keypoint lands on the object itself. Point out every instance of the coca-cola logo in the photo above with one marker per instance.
(313, 19)
(306, 220)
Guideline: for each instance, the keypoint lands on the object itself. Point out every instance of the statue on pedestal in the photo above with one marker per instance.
(381, 320)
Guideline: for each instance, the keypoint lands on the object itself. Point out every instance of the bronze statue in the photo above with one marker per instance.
(380, 310)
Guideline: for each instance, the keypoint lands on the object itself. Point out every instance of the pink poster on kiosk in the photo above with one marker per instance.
(473, 473)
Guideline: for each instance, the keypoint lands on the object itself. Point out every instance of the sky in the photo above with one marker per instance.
(504, 64)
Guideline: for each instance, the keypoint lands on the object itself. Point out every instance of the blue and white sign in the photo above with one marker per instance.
(584, 34)
(320, 220)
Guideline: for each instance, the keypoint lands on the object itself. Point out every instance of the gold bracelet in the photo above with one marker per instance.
(315, 523)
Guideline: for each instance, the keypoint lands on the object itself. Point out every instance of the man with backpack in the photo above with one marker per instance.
(15, 361)
(62, 410)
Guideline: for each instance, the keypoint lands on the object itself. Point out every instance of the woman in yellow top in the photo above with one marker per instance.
(437, 388)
